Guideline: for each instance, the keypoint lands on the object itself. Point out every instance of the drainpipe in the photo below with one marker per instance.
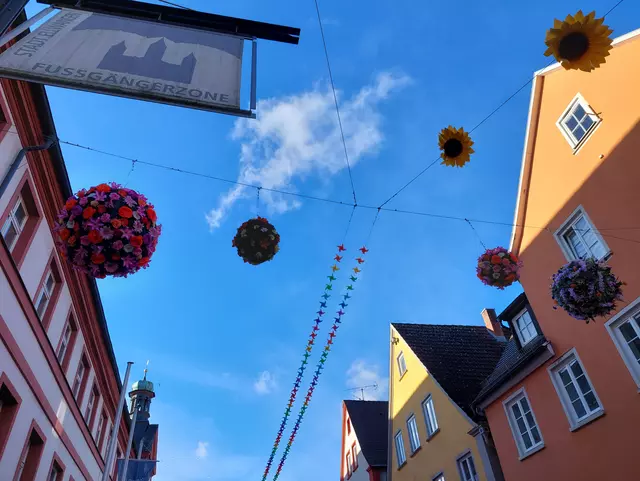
(16, 162)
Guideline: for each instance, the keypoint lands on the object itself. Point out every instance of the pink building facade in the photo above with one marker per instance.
(59, 381)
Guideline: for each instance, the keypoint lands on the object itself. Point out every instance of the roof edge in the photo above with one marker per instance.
(435, 381)
(529, 144)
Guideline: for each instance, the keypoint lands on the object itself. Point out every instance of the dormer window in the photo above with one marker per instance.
(525, 327)
(522, 321)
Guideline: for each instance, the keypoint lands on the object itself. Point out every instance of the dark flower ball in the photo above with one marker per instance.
(108, 230)
(256, 241)
(586, 289)
(498, 268)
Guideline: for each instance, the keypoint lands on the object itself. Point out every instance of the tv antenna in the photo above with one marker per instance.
(360, 396)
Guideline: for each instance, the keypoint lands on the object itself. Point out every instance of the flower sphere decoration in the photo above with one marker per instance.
(580, 42)
(108, 230)
(498, 268)
(586, 289)
(456, 146)
(256, 241)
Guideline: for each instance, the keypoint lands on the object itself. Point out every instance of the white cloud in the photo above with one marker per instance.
(225, 459)
(265, 384)
(202, 451)
(361, 374)
(297, 136)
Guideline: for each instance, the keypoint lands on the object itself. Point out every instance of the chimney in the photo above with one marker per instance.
(491, 322)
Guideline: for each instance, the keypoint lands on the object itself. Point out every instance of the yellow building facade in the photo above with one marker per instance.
(431, 437)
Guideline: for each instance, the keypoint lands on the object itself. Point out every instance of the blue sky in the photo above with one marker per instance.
(224, 338)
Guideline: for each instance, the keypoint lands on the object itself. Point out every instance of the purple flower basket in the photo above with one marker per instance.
(586, 289)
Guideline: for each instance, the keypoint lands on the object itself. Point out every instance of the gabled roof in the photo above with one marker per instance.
(529, 143)
(369, 419)
(460, 358)
(513, 359)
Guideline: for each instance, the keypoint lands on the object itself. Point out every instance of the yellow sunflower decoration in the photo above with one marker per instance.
(581, 42)
(455, 145)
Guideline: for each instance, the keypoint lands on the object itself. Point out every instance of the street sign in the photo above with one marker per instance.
(132, 58)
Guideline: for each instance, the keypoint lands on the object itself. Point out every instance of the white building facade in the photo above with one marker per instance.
(59, 382)
(364, 441)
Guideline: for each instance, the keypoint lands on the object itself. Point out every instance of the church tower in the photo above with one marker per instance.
(141, 395)
(145, 436)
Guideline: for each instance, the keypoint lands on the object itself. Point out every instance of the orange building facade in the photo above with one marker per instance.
(565, 402)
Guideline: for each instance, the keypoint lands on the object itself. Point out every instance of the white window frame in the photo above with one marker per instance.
(354, 455)
(566, 133)
(402, 366)
(414, 435)
(507, 404)
(64, 341)
(613, 328)
(349, 462)
(559, 234)
(44, 292)
(564, 361)
(401, 455)
(519, 331)
(11, 220)
(90, 404)
(463, 459)
(102, 423)
(432, 424)
(77, 380)
(55, 472)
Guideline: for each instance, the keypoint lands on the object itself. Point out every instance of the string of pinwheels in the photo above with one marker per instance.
(111, 230)
(580, 42)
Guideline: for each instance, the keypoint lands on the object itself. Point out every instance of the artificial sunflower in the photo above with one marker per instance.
(580, 42)
(455, 145)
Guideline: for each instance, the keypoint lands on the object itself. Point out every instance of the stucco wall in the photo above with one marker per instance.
(441, 452)
(31, 407)
(607, 188)
(360, 474)
(33, 373)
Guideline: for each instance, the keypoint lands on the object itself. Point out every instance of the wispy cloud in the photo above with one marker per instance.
(361, 374)
(215, 459)
(265, 384)
(202, 451)
(298, 136)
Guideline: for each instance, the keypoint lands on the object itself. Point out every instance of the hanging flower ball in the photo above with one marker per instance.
(108, 230)
(498, 268)
(586, 289)
(580, 42)
(256, 241)
(455, 145)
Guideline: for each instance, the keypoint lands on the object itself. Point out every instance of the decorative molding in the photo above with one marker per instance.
(48, 190)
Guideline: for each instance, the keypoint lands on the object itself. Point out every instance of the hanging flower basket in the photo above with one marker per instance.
(108, 230)
(579, 42)
(586, 289)
(498, 268)
(256, 241)
(455, 145)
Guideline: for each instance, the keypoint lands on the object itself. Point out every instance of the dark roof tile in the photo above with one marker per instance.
(460, 358)
(512, 359)
(369, 419)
